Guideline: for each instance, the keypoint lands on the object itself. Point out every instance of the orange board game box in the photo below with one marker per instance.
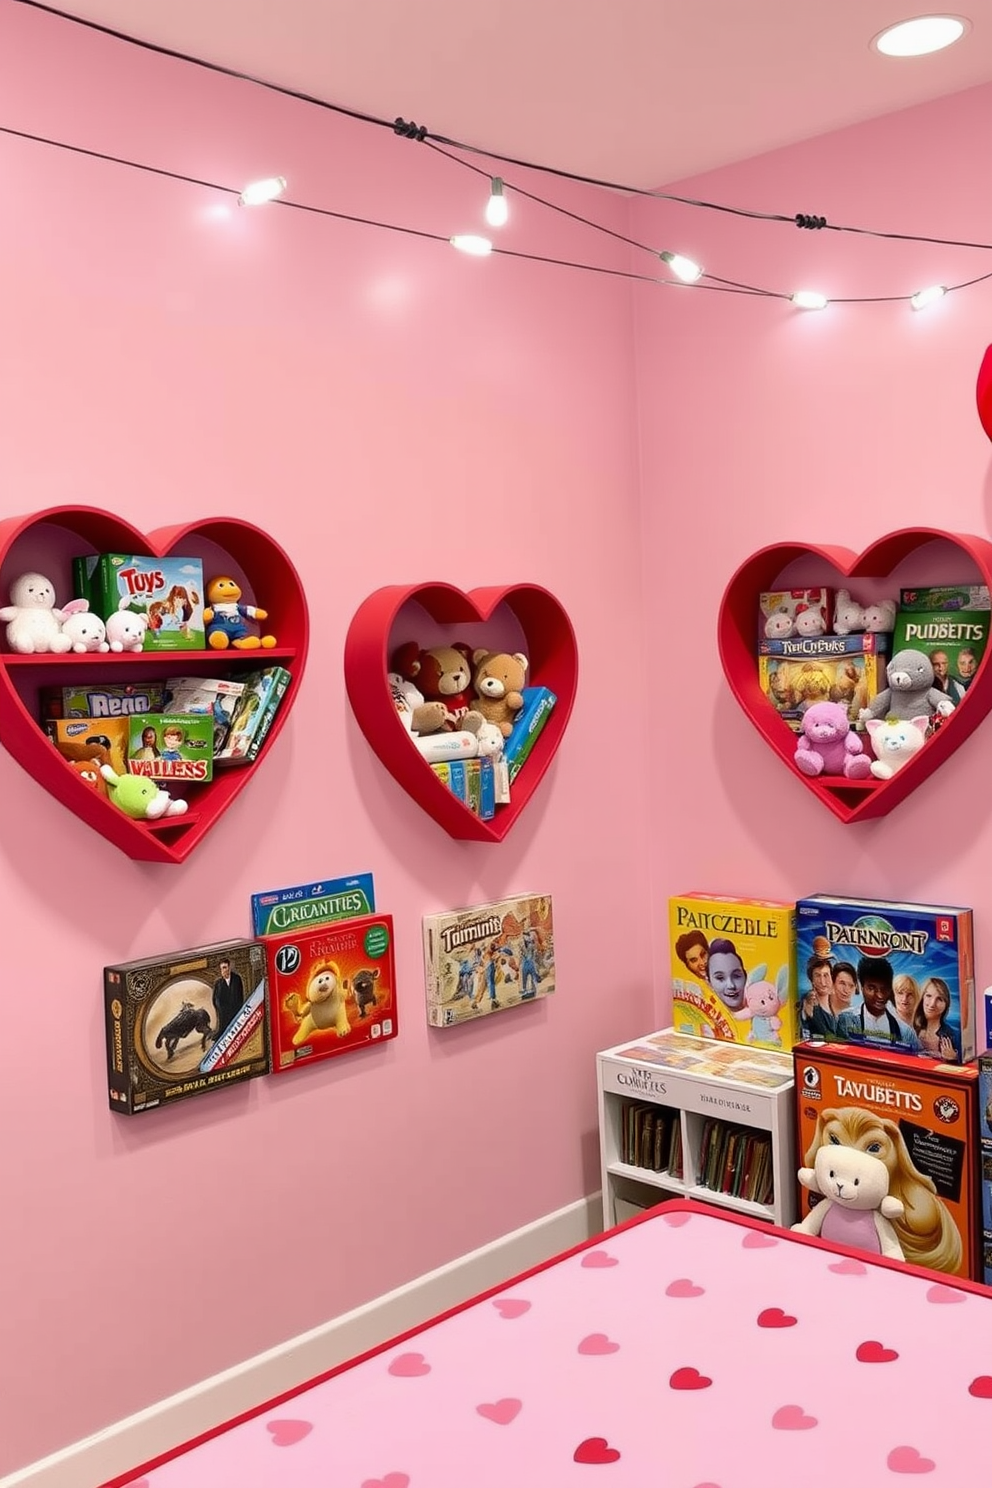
(920, 1117)
(332, 989)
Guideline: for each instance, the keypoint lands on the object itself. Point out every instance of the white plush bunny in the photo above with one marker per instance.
(33, 622)
(849, 616)
(85, 630)
(126, 631)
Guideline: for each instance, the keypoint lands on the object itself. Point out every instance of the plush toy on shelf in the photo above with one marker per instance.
(34, 624)
(849, 616)
(498, 680)
(809, 621)
(443, 674)
(827, 744)
(425, 723)
(85, 630)
(910, 692)
(139, 797)
(226, 618)
(126, 631)
(856, 1207)
(895, 742)
(880, 617)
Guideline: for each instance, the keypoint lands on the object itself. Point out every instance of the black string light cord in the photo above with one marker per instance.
(421, 134)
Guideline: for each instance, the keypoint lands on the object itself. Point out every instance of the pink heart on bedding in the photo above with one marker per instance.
(981, 1387)
(848, 1267)
(756, 1240)
(391, 1480)
(774, 1317)
(944, 1294)
(408, 1365)
(288, 1433)
(689, 1379)
(793, 1418)
(683, 1287)
(908, 1460)
(511, 1307)
(501, 1411)
(597, 1343)
(596, 1451)
(676, 1220)
(597, 1260)
(873, 1352)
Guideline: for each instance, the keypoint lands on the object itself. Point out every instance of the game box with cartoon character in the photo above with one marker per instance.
(168, 592)
(332, 989)
(900, 975)
(733, 969)
(794, 674)
(920, 1118)
(985, 1160)
(182, 1024)
(488, 957)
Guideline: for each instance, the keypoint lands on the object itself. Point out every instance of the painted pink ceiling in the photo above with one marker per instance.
(636, 91)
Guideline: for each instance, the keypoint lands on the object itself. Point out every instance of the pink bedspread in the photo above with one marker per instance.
(684, 1350)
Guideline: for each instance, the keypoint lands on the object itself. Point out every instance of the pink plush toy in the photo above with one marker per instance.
(827, 746)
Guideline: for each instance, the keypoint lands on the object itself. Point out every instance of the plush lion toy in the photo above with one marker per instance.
(926, 1232)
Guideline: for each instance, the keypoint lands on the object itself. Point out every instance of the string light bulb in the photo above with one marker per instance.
(497, 207)
(471, 243)
(684, 268)
(809, 299)
(257, 192)
(924, 297)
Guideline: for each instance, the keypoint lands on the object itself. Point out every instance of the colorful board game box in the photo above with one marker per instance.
(178, 747)
(332, 989)
(182, 1024)
(472, 781)
(263, 693)
(320, 903)
(527, 726)
(783, 606)
(488, 958)
(101, 700)
(217, 696)
(797, 672)
(733, 969)
(167, 591)
(953, 632)
(890, 975)
(90, 738)
(921, 1118)
(985, 1161)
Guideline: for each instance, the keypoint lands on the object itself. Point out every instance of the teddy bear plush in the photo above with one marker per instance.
(442, 673)
(827, 745)
(910, 693)
(33, 620)
(498, 679)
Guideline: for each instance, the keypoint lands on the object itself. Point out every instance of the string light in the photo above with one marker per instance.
(471, 243)
(497, 207)
(684, 268)
(419, 133)
(924, 297)
(809, 299)
(257, 192)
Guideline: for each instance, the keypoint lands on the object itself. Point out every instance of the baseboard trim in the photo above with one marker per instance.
(146, 1435)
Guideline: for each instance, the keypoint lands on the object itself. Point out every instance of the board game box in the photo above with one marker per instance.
(733, 969)
(102, 700)
(276, 910)
(332, 989)
(105, 739)
(985, 1161)
(527, 727)
(949, 625)
(264, 690)
(218, 696)
(796, 673)
(177, 747)
(167, 591)
(488, 957)
(921, 1118)
(888, 975)
(779, 609)
(182, 1024)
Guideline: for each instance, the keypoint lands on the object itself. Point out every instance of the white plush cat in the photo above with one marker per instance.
(895, 741)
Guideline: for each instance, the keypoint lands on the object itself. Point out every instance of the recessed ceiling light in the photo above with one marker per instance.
(922, 34)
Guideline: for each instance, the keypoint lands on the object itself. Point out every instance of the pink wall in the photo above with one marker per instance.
(760, 424)
(393, 413)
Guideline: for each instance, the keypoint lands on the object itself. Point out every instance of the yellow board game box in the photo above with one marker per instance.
(734, 969)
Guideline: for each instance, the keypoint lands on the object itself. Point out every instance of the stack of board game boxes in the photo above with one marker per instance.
(485, 782)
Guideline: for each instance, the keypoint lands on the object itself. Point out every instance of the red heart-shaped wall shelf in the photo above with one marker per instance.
(983, 392)
(850, 800)
(553, 662)
(45, 542)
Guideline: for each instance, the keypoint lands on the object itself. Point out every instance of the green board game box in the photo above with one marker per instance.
(177, 747)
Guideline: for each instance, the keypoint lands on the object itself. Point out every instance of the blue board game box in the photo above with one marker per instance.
(887, 975)
(277, 910)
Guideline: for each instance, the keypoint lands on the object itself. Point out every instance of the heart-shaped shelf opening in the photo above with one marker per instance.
(910, 557)
(521, 617)
(46, 542)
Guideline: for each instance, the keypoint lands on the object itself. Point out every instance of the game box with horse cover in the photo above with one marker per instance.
(186, 1023)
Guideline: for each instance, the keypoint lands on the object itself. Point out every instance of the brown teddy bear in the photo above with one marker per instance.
(498, 678)
(443, 674)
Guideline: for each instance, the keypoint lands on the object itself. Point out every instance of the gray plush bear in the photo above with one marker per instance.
(910, 693)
